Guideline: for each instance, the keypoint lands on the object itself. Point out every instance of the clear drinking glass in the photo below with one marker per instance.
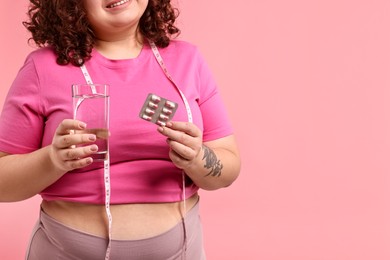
(91, 105)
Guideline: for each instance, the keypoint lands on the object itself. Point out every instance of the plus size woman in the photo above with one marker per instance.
(155, 171)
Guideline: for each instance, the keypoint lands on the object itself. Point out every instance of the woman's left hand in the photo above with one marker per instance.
(185, 142)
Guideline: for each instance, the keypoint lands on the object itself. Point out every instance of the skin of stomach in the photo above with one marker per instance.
(130, 221)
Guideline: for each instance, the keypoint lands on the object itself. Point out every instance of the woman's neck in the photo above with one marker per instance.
(126, 48)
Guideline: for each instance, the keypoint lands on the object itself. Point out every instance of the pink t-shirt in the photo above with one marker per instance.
(141, 171)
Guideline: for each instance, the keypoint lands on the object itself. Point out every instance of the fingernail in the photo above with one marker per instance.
(94, 148)
(169, 124)
(82, 125)
(92, 137)
(160, 129)
(89, 160)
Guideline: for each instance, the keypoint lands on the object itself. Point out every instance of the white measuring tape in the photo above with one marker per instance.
(189, 117)
(107, 183)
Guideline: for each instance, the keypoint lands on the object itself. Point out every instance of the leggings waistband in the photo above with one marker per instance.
(53, 239)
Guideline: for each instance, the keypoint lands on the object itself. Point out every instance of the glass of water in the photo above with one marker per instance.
(91, 105)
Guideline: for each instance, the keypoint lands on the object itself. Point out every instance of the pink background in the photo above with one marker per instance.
(307, 85)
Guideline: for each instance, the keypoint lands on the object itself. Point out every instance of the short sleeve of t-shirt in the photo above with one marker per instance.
(21, 122)
(215, 118)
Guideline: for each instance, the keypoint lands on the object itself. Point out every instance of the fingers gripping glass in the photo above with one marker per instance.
(91, 106)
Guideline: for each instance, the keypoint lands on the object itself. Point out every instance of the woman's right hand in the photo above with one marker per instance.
(65, 152)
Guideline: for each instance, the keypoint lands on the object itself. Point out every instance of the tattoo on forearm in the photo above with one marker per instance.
(212, 162)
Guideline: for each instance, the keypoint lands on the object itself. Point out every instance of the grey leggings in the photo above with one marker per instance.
(52, 240)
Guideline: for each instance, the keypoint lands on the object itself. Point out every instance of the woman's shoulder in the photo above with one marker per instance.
(181, 47)
(181, 50)
(182, 44)
(43, 55)
(42, 62)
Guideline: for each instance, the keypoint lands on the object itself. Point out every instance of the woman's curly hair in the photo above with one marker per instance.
(63, 25)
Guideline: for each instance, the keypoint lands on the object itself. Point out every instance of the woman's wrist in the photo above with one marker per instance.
(206, 169)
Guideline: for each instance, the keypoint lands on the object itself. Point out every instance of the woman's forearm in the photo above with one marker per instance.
(25, 175)
(211, 165)
(215, 168)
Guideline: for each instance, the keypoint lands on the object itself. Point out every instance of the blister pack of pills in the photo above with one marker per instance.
(157, 110)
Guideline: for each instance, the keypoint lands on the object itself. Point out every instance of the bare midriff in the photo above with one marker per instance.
(130, 221)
